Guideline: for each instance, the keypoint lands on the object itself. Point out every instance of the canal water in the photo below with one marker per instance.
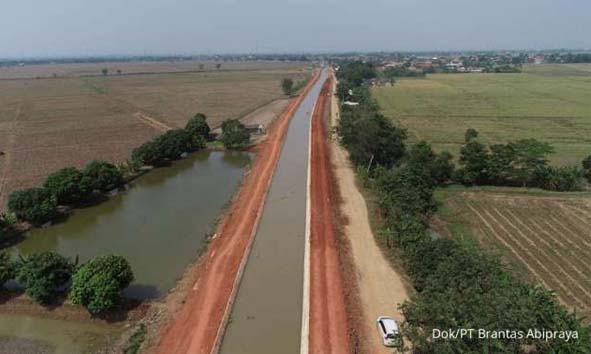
(266, 318)
(159, 225)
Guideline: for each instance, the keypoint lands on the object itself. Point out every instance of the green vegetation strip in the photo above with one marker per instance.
(458, 286)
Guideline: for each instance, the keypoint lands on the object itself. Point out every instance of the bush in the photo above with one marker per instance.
(68, 186)
(36, 205)
(97, 285)
(234, 135)
(44, 275)
(7, 268)
(102, 175)
(198, 127)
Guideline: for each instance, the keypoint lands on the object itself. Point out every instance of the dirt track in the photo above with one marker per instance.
(198, 326)
(328, 315)
(381, 288)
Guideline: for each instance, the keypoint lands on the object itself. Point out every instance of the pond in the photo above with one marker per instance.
(159, 225)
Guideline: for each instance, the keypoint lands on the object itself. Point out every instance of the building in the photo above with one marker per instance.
(256, 129)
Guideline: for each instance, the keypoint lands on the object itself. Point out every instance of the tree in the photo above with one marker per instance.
(470, 134)
(102, 175)
(530, 155)
(44, 275)
(201, 66)
(97, 285)
(68, 186)
(36, 205)
(474, 160)
(371, 138)
(7, 266)
(287, 86)
(234, 135)
(198, 127)
(105, 71)
(169, 145)
(218, 66)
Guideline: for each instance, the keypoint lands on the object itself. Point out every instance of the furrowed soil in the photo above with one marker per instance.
(543, 236)
(199, 308)
(50, 123)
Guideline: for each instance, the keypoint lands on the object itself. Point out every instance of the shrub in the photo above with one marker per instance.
(97, 285)
(234, 135)
(198, 127)
(36, 205)
(68, 186)
(44, 275)
(102, 175)
(7, 266)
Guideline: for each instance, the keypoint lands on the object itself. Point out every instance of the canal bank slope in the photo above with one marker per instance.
(328, 319)
(199, 323)
(381, 288)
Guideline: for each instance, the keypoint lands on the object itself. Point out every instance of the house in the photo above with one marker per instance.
(256, 129)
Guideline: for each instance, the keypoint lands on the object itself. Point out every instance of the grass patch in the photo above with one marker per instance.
(136, 340)
(546, 102)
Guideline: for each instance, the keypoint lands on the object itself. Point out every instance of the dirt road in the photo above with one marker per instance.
(328, 325)
(198, 326)
(381, 287)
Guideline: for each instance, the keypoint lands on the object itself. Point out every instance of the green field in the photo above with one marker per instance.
(551, 103)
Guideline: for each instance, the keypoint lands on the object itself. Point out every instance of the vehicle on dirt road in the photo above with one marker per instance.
(389, 331)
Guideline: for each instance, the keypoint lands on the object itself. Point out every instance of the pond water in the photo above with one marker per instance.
(159, 225)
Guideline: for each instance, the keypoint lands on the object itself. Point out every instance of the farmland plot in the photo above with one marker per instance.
(48, 124)
(546, 237)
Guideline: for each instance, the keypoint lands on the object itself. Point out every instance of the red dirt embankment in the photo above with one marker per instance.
(199, 326)
(328, 314)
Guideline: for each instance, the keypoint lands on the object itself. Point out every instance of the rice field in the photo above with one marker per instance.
(546, 102)
(545, 237)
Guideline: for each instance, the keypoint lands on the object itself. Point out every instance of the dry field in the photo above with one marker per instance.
(546, 237)
(135, 67)
(47, 124)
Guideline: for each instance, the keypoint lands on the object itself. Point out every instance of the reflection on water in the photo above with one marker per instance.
(159, 225)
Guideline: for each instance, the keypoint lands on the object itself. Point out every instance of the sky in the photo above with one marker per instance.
(59, 28)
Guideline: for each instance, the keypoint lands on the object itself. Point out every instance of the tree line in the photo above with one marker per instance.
(73, 187)
(48, 276)
(457, 285)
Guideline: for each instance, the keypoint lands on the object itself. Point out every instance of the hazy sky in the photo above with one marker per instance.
(104, 27)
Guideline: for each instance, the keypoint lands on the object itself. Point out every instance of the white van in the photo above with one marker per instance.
(389, 331)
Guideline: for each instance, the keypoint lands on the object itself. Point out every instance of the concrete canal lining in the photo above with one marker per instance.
(267, 313)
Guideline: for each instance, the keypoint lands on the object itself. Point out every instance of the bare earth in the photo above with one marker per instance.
(381, 287)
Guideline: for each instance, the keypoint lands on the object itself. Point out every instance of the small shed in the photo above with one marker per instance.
(255, 128)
